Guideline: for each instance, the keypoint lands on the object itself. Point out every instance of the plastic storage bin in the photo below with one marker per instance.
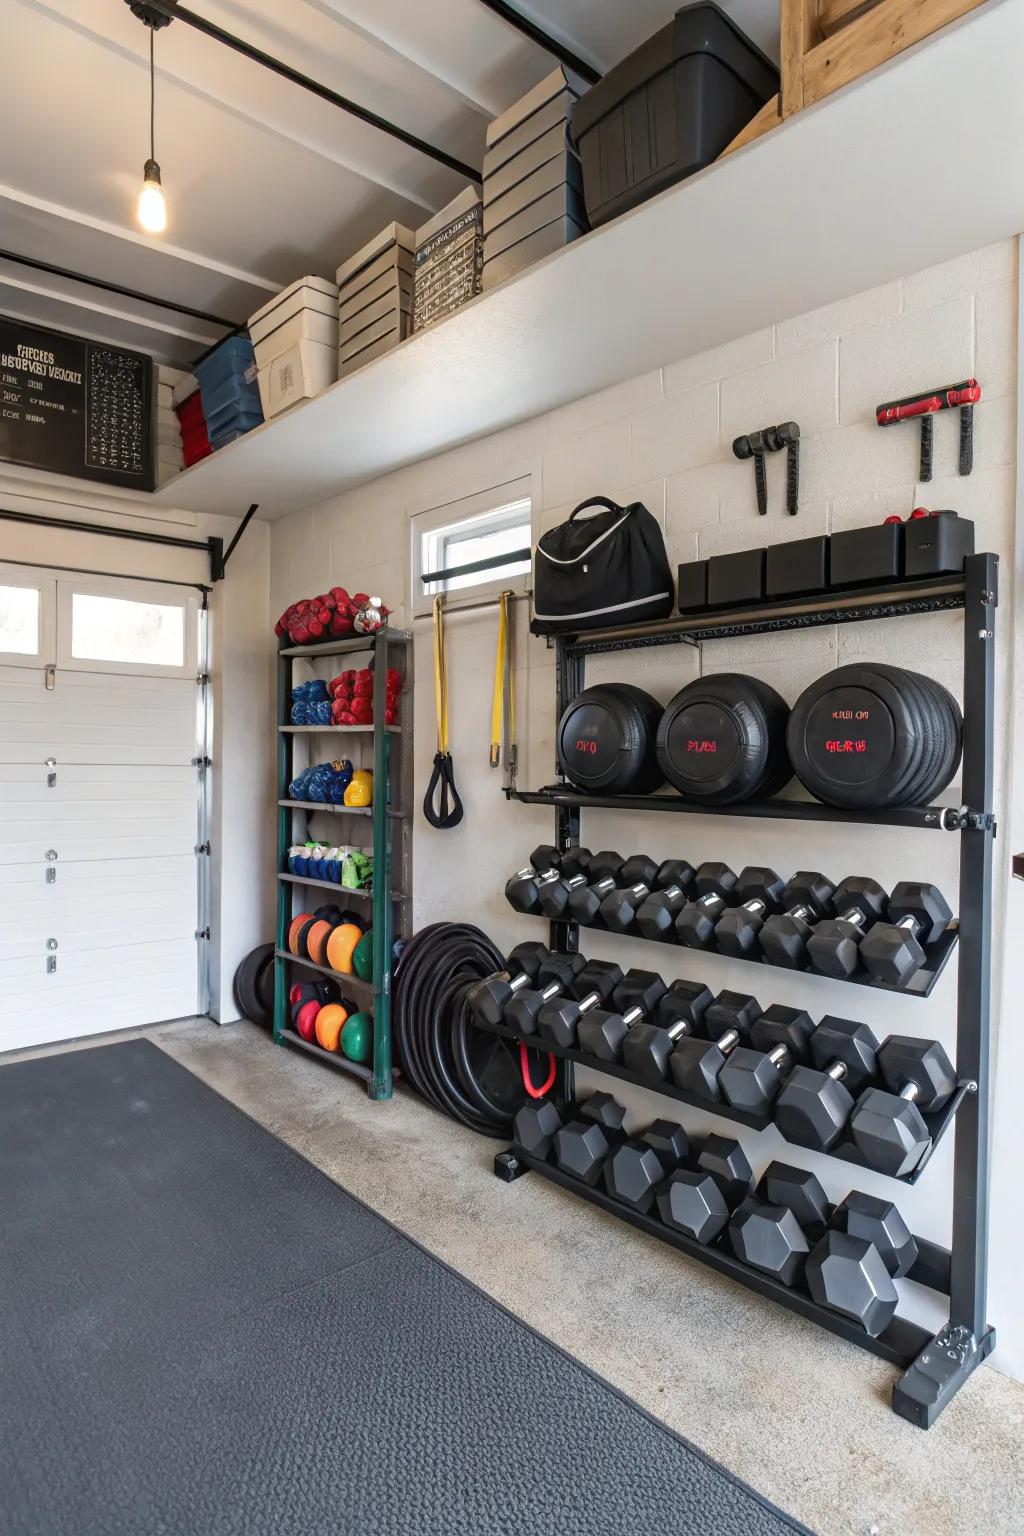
(668, 109)
(228, 389)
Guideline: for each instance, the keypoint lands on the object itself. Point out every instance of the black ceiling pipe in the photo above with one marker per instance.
(175, 12)
(558, 50)
(119, 288)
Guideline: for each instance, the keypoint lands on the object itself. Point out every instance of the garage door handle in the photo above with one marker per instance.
(51, 959)
(51, 777)
(51, 677)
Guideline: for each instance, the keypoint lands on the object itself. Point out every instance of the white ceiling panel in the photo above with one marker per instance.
(264, 181)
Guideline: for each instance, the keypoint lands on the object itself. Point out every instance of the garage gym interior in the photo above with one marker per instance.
(510, 521)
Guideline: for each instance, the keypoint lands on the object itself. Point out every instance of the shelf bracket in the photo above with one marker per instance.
(219, 556)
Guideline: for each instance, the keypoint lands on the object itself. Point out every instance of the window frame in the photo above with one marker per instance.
(169, 596)
(46, 586)
(449, 517)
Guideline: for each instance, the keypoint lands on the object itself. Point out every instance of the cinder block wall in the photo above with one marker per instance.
(665, 439)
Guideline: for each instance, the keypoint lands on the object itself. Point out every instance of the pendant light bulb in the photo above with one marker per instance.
(152, 209)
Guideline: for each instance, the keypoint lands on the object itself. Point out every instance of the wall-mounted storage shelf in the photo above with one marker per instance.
(934, 1369)
(901, 1343)
(392, 849)
(921, 984)
(569, 325)
(936, 817)
(845, 1151)
(326, 730)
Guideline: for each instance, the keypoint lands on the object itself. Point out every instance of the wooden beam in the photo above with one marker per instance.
(796, 37)
(767, 118)
(877, 36)
(833, 14)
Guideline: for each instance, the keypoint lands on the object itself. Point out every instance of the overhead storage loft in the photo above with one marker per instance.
(863, 161)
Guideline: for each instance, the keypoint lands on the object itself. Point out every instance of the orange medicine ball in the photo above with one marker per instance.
(341, 947)
(329, 1024)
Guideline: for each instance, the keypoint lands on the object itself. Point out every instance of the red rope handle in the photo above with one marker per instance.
(524, 1067)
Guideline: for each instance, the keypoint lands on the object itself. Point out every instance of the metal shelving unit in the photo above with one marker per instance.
(934, 1369)
(388, 902)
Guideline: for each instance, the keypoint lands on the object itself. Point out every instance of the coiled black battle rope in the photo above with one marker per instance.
(429, 1011)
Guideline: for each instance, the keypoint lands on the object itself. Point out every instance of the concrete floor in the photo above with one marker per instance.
(797, 1413)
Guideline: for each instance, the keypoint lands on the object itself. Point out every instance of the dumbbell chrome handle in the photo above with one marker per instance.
(679, 1029)
(728, 1040)
(910, 1091)
(855, 916)
(837, 1070)
(778, 1056)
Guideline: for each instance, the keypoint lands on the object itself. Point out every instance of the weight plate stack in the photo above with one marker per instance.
(874, 737)
(722, 739)
(606, 740)
(254, 986)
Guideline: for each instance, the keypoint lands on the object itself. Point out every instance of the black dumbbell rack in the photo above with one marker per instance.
(934, 1369)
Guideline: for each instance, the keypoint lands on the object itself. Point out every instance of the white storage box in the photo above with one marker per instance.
(394, 246)
(299, 307)
(386, 343)
(303, 325)
(304, 370)
(186, 386)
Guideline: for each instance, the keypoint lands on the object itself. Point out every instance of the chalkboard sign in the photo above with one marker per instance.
(74, 406)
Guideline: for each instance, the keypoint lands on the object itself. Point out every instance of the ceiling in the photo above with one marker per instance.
(264, 182)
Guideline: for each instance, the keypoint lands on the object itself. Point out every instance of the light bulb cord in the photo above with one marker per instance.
(152, 100)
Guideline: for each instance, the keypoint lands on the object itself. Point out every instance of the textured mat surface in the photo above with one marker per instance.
(201, 1333)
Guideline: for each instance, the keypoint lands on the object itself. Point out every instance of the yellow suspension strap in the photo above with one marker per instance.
(503, 698)
(448, 811)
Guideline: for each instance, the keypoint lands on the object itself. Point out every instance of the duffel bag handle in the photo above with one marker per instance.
(597, 501)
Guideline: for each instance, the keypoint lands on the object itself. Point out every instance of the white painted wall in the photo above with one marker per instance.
(242, 823)
(665, 439)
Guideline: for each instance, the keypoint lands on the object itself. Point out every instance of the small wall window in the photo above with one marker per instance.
(481, 541)
(19, 621)
(118, 629)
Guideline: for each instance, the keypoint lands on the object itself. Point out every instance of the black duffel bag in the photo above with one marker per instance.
(593, 572)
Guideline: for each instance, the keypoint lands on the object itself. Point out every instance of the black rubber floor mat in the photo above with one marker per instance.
(201, 1333)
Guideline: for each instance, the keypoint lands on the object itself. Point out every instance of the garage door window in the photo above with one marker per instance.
(19, 621)
(117, 629)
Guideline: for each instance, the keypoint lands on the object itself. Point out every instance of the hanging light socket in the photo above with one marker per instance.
(152, 209)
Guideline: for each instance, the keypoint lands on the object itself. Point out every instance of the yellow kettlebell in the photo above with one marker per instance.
(360, 790)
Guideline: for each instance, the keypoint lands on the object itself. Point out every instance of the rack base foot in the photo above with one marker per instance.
(939, 1372)
(508, 1167)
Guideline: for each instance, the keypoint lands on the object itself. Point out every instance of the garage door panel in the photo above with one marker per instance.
(108, 837)
(121, 817)
(83, 916)
(122, 988)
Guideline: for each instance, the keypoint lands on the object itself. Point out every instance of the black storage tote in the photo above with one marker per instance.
(606, 569)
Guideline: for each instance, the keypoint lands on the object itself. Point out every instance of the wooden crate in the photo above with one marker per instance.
(827, 43)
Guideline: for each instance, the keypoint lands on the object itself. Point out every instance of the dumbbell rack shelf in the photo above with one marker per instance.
(934, 1369)
(388, 901)
(846, 1151)
(921, 984)
(900, 1344)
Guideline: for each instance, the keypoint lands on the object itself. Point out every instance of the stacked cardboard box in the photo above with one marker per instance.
(533, 184)
(375, 298)
(449, 256)
(169, 460)
(295, 340)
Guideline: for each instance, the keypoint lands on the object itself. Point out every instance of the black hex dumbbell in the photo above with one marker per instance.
(808, 898)
(488, 997)
(573, 871)
(559, 1019)
(848, 1275)
(648, 1046)
(894, 950)
(521, 889)
(638, 877)
(695, 1064)
(601, 1032)
(520, 1012)
(880, 1223)
(759, 892)
(698, 1201)
(754, 1074)
(772, 1231)
(582, 1145)
(638, 1166)
(583, 902)
(887, 1123)
(695, 925)
(834, 946)
(816, 1103)
(656, 916)
(535, 1126)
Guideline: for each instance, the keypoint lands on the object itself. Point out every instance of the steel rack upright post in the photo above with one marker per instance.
(933, 1368)
(389, 901)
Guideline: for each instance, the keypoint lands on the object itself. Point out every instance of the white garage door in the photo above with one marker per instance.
(98, 805)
